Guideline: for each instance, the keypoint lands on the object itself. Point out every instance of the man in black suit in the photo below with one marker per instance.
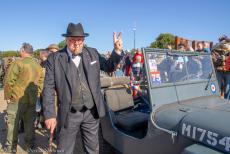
(74, 73)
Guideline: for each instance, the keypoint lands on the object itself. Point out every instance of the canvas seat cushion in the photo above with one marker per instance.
(119, 98)
(132, 121)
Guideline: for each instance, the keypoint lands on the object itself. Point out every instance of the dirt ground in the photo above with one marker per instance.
(41, 136)
(41, 141)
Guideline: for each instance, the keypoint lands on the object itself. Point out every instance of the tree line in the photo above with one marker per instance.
(160, 42)
(13, 53)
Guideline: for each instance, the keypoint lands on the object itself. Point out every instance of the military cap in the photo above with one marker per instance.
(53, 46)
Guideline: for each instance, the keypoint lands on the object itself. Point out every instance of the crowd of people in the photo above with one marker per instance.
(61, 92)
(201, 47)
(133, 63)
(63, 88)
(22, 88)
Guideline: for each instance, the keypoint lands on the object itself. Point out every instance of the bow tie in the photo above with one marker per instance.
(74, 55)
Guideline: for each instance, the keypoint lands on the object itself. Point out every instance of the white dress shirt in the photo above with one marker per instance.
(76, 59)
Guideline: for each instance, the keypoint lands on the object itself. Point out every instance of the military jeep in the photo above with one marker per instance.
(178, 110)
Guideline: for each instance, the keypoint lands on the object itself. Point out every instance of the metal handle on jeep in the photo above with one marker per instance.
(172, 133)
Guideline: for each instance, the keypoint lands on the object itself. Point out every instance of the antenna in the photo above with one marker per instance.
(134, 35)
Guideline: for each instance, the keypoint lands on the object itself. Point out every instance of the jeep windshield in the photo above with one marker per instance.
(170, 68)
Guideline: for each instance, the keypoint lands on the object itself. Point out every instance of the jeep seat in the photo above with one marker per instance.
(120, 101)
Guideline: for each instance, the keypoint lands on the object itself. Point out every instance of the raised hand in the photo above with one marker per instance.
(117, 40)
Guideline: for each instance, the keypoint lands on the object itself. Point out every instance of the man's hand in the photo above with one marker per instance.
(51, 124)
(117, 40)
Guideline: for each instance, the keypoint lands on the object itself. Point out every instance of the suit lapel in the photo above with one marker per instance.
(65, 63)
(86, 62)
(89, 73)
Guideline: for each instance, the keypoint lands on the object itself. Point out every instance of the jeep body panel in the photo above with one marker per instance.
(186, 113)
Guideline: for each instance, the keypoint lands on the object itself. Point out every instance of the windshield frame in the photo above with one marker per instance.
(167, 53)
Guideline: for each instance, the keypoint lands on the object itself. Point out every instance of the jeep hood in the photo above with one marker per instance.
(204, 120)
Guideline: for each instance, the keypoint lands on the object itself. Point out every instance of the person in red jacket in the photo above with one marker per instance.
(137, 63)
(137, 55)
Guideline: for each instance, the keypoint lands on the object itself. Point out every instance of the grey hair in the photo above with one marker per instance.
(44, 50)
(26, 47)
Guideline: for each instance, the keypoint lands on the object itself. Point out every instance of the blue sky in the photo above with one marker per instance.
(42, 22)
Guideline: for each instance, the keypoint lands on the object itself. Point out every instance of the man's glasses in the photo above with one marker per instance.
(74, 40)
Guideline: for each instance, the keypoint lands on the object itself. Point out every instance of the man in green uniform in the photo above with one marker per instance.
(23, 84)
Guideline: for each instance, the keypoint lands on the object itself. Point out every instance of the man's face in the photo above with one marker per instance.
(139, 51)
(52, 50)
(200, 46)
(206, 45)
(75, 44)
(43, 55)
(21, 53)
(181, 47)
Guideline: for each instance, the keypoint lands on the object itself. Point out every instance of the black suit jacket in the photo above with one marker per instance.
(58, 79)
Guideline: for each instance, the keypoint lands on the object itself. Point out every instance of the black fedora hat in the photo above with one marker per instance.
(74, 30)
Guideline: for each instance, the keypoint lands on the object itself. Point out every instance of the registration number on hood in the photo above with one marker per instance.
(206, 136)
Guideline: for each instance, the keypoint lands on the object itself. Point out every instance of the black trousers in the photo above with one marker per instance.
(88, 125)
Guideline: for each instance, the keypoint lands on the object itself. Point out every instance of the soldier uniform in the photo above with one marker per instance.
(23, 85)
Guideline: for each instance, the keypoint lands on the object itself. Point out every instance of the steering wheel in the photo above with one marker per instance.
(190, 76)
